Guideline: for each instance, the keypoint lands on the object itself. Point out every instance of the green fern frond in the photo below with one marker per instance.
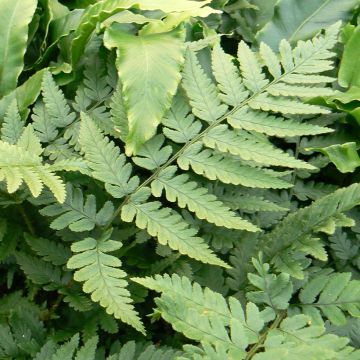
(12, 126)
(105, 160)
(332, 295)
(139, 351)
(237, 200)
(251, 120)
(203, 315)
(296, 337)
(251, 71)
(226, 74)
(67, 350)
(197, 199)
(180, 124)
(246, 146)
(55, 103)
(168, 226)
(77, 214)
(284, 105)
(22, 163)
(296, 227)
(51, 251)
(103, 278)
(45, 129)
(152, 155)
(222, 167)
(274, 290)
(39, 271)
(201, 91)
(96, 87)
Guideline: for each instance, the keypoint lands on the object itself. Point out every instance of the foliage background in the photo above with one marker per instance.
(209, 176)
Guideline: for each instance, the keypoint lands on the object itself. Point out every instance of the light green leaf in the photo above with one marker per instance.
(344, 156)
(297, 20)
(15, 16)
(349, 74)
(149, 69)
(103, 278)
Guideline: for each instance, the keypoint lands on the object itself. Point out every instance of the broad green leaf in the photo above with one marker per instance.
(296, 20)
(149, 69)
(349, 74)
(15, 16)
(25, 94)
(102, 10)
(344, 156)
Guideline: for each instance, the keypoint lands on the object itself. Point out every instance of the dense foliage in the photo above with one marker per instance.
(179, 179)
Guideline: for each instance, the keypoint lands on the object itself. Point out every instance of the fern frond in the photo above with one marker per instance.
(133, 351)
(274, 290)
(51, 251)
(152, 155)
(237, 200)
(296, 337)
(105, 160)
(332, 295)
(180, 125)
(226, 74)
(95, 83)
(312, 190)
(67, 350)
(197, 199)
(77, 214)
(12, 126)
(284, 105)
(246, 146)
(103, 278)
(297, 227)
(45, 129)
(201, 91)
(39, 271)
(168, 226)
(22, 163)
(342, 246)
(251, 120)
(226, 169)
(252, 74)
(55, 103)
(271, 60)
(281, 89)
(203, 315)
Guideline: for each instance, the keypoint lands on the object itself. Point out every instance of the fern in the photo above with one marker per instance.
(103, 277)
(105, 160)
(77, 214)
(335, 295)
(302, 223)
(168, 227)
(196, 199)
(12, 126)
(22, 163)
(55, 103)
(134, 150)
(202, 315)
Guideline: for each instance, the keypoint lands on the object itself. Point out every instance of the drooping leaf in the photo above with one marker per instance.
(156, 61)
(348, 71)
(15, 16)
(299, 20)
(344, 156)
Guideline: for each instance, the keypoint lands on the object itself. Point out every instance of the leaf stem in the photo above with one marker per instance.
(253, 350)
(27, 220)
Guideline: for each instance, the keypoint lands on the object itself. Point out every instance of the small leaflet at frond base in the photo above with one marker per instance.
(103, 278)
